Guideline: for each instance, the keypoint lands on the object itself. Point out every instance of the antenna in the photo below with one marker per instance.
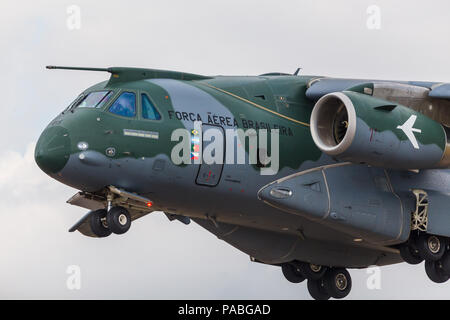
(78, 68)
(297, 71)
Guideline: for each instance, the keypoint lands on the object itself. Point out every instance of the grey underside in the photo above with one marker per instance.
(378, 213)
(275, 248)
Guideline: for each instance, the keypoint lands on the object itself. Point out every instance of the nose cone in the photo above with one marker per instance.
(53, 149)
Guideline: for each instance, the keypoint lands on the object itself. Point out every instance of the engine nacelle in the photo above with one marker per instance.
(358, 128)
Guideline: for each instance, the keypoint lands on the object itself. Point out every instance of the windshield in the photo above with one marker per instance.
(93, 100)
(125, 105)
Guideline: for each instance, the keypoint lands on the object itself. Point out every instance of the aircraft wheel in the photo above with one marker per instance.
(317, 290)
(445, 262)
(291, 273)
(97, 223)
(119, 220)
(311, 271)
(337, 282)
(430, 247)
(435, 271)
(409, 252)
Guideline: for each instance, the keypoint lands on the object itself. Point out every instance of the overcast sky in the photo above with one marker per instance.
(158, 258)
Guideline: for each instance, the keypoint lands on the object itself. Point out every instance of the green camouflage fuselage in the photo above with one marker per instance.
(141, 161)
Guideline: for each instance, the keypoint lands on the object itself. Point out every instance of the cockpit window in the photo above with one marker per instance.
(74, 102)
(148, 109)
(125, 105)
(93, 100)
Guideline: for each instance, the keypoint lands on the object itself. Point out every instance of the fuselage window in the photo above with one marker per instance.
(125, 105)
(93, 100)
(148, 109)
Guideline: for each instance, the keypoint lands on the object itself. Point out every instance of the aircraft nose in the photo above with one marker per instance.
(52, 149)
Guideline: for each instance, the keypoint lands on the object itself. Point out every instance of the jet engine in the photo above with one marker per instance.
(359, 128)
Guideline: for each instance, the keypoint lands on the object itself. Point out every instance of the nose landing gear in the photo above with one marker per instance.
(97, 221)
(117, 220)
(112, 211)
(323, 283)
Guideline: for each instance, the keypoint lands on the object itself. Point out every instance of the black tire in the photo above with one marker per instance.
(445, 263)
(409, 252)
(119, 220)
(311, 271)
(435, 271)
(291, 273)
(430, 247)
(337, 282)
(97, 225)
(317, 290)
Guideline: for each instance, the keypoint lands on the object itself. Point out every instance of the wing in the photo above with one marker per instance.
(318, 87)
(429, 98)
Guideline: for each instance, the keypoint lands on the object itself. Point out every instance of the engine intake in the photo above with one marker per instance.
(333, 123)
(359, 128)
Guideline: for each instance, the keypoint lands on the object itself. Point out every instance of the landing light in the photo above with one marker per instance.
(82, 145)
(281, 193)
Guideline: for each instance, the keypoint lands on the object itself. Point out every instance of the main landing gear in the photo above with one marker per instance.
(323, 282)
(433, 249)
(116, 220)
(422, 246)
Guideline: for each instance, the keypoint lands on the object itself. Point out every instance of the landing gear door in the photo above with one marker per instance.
(213, 147)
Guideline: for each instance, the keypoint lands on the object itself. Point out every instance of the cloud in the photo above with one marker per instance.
(158, 258)
(20, 176)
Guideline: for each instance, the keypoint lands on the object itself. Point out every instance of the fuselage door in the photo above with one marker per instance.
(213, 146)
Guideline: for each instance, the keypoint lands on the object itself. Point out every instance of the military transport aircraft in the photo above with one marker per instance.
(361, 178)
